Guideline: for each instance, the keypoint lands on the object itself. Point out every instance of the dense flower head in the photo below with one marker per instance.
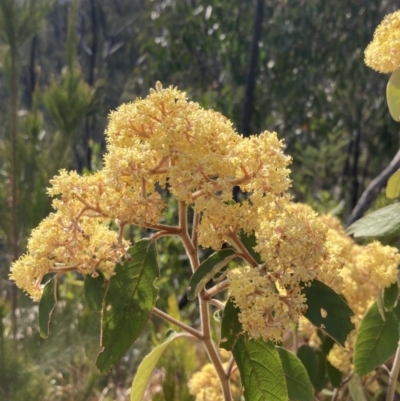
(265, 309)
(294, 245)
(164, 136)
(205, 385)
(383, 53)
(59, 244)
(162, 143)
(365, 270)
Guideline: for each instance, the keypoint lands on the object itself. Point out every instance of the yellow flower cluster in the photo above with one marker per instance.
(205, 385)
(59, 245)
(295, 246)
(365, 270)
(383, 53)
(162, 141)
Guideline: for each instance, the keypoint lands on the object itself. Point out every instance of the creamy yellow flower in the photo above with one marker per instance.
(205, 385)
(383, 53)
(365, 270)
(264, 312)
(380, 263)
(342, 357)
(292, 244)
(59, 244)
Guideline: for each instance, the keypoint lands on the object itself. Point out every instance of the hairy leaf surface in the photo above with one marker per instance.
(380, 223)
(376, 339)
(298, 383)
(260, 370)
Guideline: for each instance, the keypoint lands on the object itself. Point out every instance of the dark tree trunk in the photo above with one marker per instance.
(252, 71)
(32, 70)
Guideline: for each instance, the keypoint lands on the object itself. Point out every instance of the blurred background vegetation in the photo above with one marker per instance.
(291, 66)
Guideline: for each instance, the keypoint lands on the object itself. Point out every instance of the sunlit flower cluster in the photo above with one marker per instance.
(60, 244)
(163, 143)
(365, 270)
(383, 53)
(295, 247)
(205, 385)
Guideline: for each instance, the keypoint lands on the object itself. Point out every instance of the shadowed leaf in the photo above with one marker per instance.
(46, 306)
(230, 326)
(129, 300)
(95, 289)
(328, 311)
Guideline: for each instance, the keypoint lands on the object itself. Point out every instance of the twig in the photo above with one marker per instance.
(195, 234)
(208, 294)
(230, 366)
(216, 303)
(373, 189)
(178, 323)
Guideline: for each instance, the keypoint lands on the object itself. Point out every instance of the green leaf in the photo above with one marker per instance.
(393, 95)
(129, 300)
(390, 296)
(380, 223)
(376, 340)
(307, 357)
(335, 375)
(230, 326)
(393, 186)
(147, 366)
(327, 343)
(328, 311)
(46, 306)
(250, 241)
(356, 389)
(260, 370)
(320, 380)
(207, 270)
(95, 289)
(298, 383)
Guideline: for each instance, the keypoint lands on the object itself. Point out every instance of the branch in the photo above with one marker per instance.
(373, 189)
(177, 323)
